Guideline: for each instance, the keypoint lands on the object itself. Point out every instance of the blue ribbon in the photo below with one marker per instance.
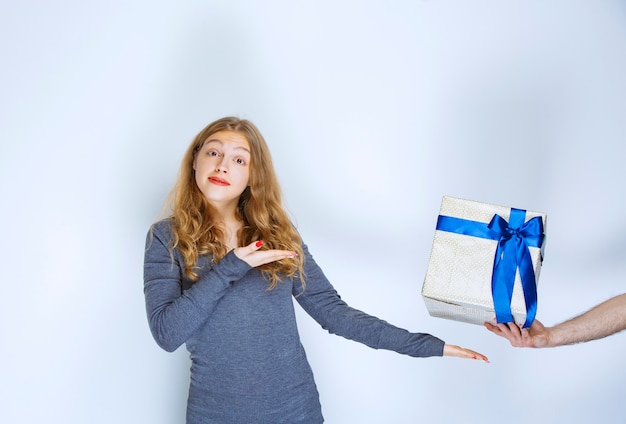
(514, 239)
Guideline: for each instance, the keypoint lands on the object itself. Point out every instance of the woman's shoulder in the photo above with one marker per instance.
(162, 227)
(164, 223)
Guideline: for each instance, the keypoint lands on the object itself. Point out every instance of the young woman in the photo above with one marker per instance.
(220, 273)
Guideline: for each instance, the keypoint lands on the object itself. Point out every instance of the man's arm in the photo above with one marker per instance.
(603, 320)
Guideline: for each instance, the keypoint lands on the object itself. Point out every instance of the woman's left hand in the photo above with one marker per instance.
(254, 257)
(461, 352)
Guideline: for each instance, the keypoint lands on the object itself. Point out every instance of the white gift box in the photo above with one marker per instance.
(458, 283)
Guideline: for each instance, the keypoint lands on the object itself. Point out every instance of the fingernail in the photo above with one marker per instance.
(259, 243)
(293, 255)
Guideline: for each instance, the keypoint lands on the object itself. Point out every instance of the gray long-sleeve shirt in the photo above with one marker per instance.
(248, 364)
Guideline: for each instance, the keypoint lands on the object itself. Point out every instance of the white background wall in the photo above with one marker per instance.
(373, 111)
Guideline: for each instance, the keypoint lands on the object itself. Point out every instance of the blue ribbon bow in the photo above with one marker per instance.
(514, 239)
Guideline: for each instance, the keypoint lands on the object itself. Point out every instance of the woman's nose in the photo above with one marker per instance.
(221, 166)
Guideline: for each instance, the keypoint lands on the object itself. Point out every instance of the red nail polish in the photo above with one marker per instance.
(259, 243)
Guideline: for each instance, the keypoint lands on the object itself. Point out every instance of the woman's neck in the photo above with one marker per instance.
(232, 225)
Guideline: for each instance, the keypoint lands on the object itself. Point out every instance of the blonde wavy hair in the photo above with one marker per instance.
(198, 230)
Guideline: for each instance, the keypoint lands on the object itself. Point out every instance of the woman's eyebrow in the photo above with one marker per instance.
(215, 140)
(242, 148)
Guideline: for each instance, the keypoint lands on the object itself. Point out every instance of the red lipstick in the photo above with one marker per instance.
(219, 181)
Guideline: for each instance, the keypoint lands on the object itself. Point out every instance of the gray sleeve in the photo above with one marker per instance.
(173, 314)
(322, 302)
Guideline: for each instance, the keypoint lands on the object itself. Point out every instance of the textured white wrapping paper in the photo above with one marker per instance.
(458, 279)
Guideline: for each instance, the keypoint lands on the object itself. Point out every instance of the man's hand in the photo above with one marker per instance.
(535, 336)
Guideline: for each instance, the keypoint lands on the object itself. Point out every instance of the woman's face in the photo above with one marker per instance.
(222, 168)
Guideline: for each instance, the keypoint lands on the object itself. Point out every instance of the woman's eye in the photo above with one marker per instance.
(212, 153)
(240, 161)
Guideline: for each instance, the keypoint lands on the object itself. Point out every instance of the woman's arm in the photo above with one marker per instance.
(174, 314)
(603, 320)
(322, 302)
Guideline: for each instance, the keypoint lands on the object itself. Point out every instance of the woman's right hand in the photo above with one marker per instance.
(461, 352)
(253, 256)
